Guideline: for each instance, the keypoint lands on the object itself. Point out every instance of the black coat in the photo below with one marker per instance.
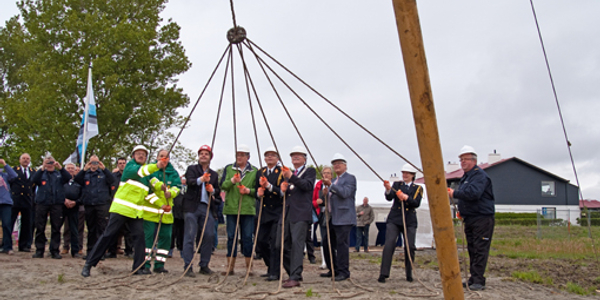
(22, 188)
(415, 194)
(298, 200)
(115, 186)
(50, 190)
(96, 186)
(272, 200)
(73, 191)
(192, 196)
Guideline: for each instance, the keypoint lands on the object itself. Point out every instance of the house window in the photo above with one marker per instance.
(548, 189)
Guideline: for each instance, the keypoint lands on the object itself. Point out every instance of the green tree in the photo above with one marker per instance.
(45, 52)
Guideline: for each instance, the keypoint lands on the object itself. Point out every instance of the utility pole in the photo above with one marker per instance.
(417, 75)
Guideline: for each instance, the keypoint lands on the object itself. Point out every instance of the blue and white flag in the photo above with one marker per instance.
(89, 125)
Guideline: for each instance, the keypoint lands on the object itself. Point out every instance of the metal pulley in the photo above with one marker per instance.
(236, 35)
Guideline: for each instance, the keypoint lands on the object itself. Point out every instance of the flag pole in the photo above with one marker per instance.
(86, 115)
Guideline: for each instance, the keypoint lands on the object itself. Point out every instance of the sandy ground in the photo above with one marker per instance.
(23, 277)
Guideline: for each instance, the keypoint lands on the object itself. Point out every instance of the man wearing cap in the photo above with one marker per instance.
(342, 193)
(50, 199)
(298, 214)
(407, 198)
(126, 209)
(269, 179)
(21, 189)
(238, 182)
(476, 206)
(96, 182)
(202, 189)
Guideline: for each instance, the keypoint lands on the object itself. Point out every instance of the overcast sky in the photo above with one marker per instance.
(490, 85)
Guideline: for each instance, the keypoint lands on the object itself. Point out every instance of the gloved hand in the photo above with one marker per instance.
(287, 173)
(166, 208)
(387, 185)
(263, 181)
(209, 188)
(236, 178)
(450, 193)
(260, 192)
(402, 196)
(205, 177)
(243, 190)
(284, 186)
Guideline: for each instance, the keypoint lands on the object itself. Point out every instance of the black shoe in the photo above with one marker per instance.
(409, 278)
(25, 250)
(160, 270)
(110, 255)
(205, 271)
(84, 257)
(272, 278)
(76, 255)
(55, 255)
(38, 255)
(142, 271)
(86, 270)
(327, 275)
(190, 273)
(381, 278)
(341, 277)
(312, 261)
(264, 275)
(476, 287)
(464, 284)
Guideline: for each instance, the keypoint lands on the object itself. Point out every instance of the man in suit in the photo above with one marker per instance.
(298, 214)
(22, 194)
(343, 217)
(269, 179)
(202, 187)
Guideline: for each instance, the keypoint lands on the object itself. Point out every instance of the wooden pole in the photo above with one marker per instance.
(417, 75)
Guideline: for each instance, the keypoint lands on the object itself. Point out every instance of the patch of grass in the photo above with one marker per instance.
(392, 292)
(309, 292)
(61, 278)
(576, 289)
(375, 260)
(597, 280)
(254, 284)
(531, 276)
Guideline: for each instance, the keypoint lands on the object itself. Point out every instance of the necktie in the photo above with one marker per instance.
(295, 172)
(268, 172)
(26, 173)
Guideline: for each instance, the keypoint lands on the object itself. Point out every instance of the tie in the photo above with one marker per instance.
(268, 172)
(295, 172)
(26, 173)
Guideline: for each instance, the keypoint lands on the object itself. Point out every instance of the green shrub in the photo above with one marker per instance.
(584, 221)
(531, 222)
(510, 215)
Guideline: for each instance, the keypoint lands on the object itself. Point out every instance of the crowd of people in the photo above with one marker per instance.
(155, 210)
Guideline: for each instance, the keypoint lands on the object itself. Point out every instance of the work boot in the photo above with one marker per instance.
(86, 270)
(190, 273)
(248, 262)
(230, 266)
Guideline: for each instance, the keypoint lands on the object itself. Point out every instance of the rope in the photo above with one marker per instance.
(334, 106)
(232, 13)
(562, 122)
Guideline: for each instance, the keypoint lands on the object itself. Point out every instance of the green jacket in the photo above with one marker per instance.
(232, 196)
(133, 189)
(152, 207)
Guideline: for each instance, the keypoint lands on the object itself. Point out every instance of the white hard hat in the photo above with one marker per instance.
(271, 149)
(243, 148)
(139, 147)
(408, 168)
(337, 157)
(467, 149)
(298, 149)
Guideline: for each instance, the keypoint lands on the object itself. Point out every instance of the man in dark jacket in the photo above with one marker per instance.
(21, 189)
(96, 182)
(71, 212)
(476, 206)
(298, 214)
(50, 199)
(114, 249)
(202, 189)
(269, 179)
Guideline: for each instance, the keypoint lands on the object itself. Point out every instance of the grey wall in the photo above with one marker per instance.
(519, 184)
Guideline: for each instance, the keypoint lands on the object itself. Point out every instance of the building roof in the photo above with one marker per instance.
(589, 203)
(459, 173)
